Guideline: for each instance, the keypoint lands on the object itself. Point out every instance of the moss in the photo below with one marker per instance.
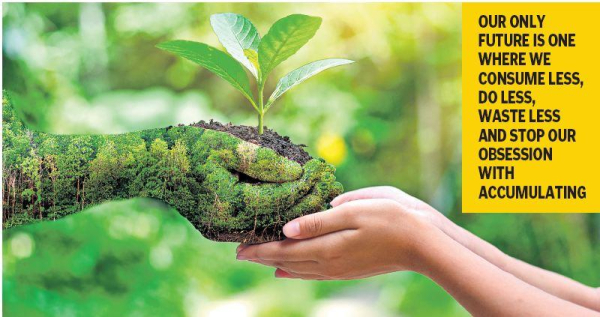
(255, 212)
(229, 189)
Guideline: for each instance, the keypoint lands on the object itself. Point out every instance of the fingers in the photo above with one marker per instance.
(342, 217)
(248, 158)
(266, 165)
(280, 273)
(276, 199)
(258, 210)
(320, 223)
(289, 200)
(294, 267)
(286, 250)
(317, 199)
(366, 193)
(261, 209)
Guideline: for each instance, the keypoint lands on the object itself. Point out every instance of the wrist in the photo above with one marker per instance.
(426, 239)
(431, 252)
(453, 231)
(482, 248)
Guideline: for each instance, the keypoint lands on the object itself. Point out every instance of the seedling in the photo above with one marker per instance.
(260, 56)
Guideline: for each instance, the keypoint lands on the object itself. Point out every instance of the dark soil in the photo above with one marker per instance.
(269, 139)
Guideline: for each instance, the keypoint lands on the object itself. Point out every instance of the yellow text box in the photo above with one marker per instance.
(573, 164)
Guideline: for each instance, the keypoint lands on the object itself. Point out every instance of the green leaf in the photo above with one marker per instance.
(284, 39)
(303, 73)
(252, 56)
(236, 34)
(214, 60)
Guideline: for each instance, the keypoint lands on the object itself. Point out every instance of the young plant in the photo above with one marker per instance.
(260, 56)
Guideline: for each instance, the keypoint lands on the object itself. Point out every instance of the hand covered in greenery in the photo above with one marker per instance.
(279, 189)
(230, 189)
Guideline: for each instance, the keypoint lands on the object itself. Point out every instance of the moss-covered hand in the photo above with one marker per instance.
(229, 189)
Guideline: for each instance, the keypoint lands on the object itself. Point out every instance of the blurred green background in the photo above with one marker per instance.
(392, 118)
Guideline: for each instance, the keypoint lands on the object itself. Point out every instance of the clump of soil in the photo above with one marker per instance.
(269, 139)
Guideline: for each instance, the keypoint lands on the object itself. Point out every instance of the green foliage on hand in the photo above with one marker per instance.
(256, 211)
(260, 56)
(202, 173)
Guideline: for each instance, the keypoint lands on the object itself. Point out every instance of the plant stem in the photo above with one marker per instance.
(261, 108)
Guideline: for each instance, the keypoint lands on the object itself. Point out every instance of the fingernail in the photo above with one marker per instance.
(291, 229)
(332, 203)
(282, 274)
(241, 257)
(336, 201)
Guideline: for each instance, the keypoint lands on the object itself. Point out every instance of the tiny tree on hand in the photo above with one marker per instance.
(260, 56)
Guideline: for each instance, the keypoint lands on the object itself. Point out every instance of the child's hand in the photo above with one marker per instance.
(354, 240)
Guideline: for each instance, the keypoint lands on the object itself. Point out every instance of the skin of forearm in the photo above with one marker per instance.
(483, 288)
(547, 281)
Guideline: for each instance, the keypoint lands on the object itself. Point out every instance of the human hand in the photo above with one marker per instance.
(249, 192)
(415, 205)
(430, 215)
(353, 240)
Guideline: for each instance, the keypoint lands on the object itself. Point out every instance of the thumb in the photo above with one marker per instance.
(318, 224)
